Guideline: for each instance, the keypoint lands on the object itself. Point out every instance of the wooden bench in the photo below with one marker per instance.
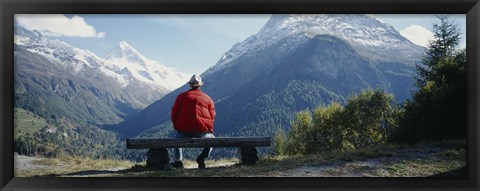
(157, 155)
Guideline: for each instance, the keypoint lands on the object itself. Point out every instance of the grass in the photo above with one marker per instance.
(423, 160)
(425, 167)
(453, 154)
(26, 122)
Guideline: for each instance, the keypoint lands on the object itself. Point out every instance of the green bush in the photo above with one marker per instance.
(369, 116)
(367, 120)
(279, 142)
(299, 138)
(329, 130)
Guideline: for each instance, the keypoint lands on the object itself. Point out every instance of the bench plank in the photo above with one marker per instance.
(197, 142)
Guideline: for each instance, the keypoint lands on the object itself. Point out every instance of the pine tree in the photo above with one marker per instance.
(446, 39)
(437, 110)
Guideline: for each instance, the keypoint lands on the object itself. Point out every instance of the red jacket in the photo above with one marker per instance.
(193, 112)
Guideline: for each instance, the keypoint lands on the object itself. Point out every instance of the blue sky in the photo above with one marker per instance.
(190, 43)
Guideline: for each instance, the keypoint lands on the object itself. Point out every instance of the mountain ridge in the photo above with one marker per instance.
(57, 78)
(282, 25)
(125, 57)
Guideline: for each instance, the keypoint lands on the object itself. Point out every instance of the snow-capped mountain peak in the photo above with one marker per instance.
(370, 37)
(355, 28)
(126, 58)
(124, 44)
(123, 63)
(124, 51)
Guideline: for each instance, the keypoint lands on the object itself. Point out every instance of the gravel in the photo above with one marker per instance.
(26, 163)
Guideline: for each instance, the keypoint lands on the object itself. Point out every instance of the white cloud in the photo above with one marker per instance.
(417, 34)
(58, 25)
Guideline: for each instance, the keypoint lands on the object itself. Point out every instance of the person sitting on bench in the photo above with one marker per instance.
(193, 114)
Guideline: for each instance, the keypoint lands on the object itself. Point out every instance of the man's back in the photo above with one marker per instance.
(193, 114)
(193, 111)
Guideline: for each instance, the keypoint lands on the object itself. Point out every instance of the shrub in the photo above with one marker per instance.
(279, 142)
(367, 120)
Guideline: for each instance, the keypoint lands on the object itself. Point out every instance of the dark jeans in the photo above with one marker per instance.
(178, 152)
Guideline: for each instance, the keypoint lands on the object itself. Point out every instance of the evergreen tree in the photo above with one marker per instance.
(446, 39)
(437, 110)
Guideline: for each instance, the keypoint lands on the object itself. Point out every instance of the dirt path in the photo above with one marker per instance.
(399, 164)
(338, 169)
(26, 163)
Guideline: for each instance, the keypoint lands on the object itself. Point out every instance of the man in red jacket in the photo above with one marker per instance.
(193, 114)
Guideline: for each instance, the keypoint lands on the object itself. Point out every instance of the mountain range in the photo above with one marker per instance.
(55, 78)
(295, 62)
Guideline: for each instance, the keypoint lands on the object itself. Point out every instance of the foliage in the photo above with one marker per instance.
(328, 130)
(367, 120)
(280, 141)
(446, 39)
(370, 116)
(61, 137)
(437, 110)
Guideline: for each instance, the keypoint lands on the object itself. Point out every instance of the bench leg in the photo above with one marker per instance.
(248, 155)
(157, 159)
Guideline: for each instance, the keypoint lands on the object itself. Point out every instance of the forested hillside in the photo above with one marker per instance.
(60, 137)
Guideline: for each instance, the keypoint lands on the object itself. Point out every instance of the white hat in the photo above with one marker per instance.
(195, 81)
